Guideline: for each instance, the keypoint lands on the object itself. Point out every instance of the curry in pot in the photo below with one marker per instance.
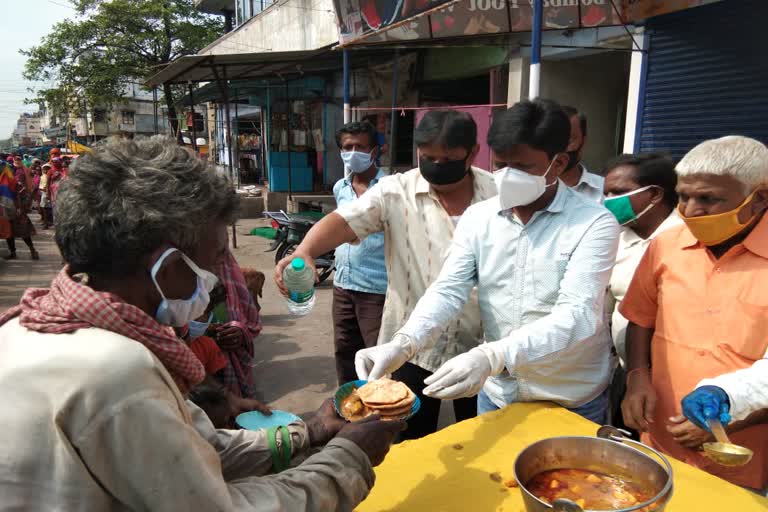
(589, 489)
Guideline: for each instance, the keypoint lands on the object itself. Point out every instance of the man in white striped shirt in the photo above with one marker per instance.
(540, 255)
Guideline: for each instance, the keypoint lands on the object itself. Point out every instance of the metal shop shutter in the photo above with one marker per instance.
(706, 76)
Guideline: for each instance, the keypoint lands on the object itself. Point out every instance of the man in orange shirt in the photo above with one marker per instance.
(698, 306)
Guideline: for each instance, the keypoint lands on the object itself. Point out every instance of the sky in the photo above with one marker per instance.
(26, 22)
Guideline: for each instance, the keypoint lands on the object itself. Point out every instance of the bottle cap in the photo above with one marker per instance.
(298, 264)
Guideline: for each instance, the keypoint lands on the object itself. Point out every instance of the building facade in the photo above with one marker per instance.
(136, 113)
(28, 130)
(609, 59)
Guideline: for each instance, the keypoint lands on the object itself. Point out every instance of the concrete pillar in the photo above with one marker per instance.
(517, 88)
(635, 92)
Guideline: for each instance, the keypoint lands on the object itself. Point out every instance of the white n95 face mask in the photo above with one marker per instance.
(519, 188)
(180, 312)
(356, 161)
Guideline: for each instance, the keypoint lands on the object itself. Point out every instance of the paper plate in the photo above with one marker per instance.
(345, 390)
(254, 420)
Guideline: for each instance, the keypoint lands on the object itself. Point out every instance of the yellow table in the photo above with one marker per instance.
(450, 470)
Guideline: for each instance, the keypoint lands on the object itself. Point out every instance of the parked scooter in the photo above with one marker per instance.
(291, 230)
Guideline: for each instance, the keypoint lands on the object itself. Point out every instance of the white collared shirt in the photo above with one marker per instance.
(631, 250)
(417, 236)
(590, 185)
(541, 288)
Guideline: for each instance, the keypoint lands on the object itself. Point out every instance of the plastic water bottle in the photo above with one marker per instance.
(300, 281)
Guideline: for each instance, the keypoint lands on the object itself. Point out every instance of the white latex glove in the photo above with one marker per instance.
(376, 362)
(465, 374)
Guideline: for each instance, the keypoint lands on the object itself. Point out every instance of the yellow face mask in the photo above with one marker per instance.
(716, 229)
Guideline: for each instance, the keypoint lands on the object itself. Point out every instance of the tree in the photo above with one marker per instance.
(111, 43)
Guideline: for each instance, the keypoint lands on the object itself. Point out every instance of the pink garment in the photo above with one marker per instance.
(244, 315)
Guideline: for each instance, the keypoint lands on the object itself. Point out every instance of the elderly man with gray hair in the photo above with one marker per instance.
(94, 382)
(698, 313)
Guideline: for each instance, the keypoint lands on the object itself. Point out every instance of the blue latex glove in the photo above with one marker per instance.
(705, 403)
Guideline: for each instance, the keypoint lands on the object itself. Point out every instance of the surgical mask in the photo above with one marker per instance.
(519, 188)
(446, 173)
(621, 206)
(180, 312)
(716, 229)
(197, 329)
(356, 161)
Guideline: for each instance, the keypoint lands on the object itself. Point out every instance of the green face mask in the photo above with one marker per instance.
(621, 206)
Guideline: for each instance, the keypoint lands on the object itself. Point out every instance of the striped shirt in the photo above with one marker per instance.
(417, 235)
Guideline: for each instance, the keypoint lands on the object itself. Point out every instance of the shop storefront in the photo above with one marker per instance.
(698, 57)
(271, 121)
(295, 136)
(473, 56)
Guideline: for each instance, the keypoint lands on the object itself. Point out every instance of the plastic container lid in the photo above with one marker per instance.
(298, 264)
(254, 420)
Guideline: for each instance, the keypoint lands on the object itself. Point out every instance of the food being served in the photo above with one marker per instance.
(392, 400)
(353, 409)
(589, 489)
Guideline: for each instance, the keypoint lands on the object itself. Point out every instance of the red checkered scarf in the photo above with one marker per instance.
(243, 314)
(70, 305)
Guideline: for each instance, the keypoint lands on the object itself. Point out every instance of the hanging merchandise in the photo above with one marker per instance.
(249, 141)
(299, 138)
(380, 79)
(317, 136)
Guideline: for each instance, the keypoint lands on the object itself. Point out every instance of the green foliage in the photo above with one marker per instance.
(111, 43)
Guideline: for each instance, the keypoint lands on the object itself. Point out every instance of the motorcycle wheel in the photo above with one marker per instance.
(287, 248)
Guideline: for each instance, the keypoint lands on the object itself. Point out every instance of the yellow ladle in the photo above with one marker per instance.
(723, 451)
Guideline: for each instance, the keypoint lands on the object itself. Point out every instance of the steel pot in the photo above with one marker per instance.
(611, 453)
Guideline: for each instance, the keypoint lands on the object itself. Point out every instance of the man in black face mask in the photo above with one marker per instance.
(576, 175)
(417, 211)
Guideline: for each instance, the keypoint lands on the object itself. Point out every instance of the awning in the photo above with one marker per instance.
(245, 66)
(76, 147)
(255, 91)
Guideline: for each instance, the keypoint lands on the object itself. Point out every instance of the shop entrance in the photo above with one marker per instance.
(596, 84)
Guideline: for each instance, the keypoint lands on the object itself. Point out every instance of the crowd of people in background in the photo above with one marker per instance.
(28, 185)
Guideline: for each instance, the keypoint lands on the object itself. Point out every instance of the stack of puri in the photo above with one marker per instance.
(391, 399)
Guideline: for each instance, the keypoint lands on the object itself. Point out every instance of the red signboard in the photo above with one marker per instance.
(634, 10)
(377, 21)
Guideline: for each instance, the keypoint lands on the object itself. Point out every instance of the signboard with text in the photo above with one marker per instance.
(634, 10)
(378, 21)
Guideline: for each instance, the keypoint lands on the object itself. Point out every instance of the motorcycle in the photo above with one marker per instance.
(291, 230)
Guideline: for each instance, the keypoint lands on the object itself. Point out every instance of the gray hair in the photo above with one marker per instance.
(741, 158)
(128, 197)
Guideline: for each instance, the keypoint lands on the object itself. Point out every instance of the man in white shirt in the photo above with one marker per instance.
(540, 256)
(576, 174)
(640, 192)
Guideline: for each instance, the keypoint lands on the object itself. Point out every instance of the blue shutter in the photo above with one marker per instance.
(707, 76)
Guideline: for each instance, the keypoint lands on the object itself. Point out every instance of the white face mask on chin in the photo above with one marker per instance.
(180, 312)
(519, 188)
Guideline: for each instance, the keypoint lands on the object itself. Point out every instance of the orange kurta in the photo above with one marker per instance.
(710, 317)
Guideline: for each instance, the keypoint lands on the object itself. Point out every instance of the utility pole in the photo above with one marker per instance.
(534, 79)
